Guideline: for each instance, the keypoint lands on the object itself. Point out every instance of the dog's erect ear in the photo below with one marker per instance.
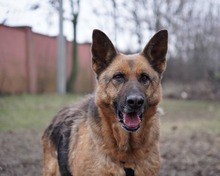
(156, 49)
(103, 51)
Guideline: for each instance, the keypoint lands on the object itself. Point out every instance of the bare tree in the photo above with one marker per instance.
(139, 17)
(193, 29)
(75, 9)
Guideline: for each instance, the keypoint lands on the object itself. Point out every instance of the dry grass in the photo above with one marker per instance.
(35, 111)
(186, 117)
(31, 111)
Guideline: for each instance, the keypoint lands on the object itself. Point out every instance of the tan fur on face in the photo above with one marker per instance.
(107, 90)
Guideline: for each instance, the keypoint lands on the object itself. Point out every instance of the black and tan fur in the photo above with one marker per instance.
(113, 132)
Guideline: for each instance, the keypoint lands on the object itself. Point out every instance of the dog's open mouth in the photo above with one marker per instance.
(130, 121)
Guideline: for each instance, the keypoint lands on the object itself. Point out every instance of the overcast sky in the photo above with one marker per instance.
(44, 20)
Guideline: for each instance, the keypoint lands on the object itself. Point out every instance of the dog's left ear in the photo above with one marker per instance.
(103, 51)
(156, 49)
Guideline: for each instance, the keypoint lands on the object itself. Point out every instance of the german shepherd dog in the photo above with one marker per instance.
(115, 131)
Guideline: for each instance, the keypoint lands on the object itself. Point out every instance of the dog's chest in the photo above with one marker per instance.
(88, 158)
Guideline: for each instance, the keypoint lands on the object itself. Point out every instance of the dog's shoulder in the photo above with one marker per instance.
(64, 127)
(69, 117)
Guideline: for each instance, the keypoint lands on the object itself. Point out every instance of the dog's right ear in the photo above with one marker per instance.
(156, 49)
(103, 51)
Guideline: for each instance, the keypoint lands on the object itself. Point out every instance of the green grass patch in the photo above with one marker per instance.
(36, 111)
(187, 117)
(31, 111)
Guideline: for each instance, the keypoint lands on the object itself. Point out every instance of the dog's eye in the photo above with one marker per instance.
(144, 79)
(120, 77)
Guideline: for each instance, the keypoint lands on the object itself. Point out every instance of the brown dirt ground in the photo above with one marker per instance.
(194, 155)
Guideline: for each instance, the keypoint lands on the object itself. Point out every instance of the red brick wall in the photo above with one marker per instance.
(28, 62)
(85, 79)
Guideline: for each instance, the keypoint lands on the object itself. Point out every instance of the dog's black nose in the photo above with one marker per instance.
(135, 101)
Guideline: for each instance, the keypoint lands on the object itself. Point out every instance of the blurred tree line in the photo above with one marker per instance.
(194, 30)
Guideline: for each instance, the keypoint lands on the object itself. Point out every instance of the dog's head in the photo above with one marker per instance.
(128, 84)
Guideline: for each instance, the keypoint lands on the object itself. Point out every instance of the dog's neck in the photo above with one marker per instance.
(121, 144)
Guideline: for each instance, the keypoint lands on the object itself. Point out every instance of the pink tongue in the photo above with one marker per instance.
(131, 120)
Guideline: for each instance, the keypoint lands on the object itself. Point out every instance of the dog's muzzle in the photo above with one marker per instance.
(130, 114)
